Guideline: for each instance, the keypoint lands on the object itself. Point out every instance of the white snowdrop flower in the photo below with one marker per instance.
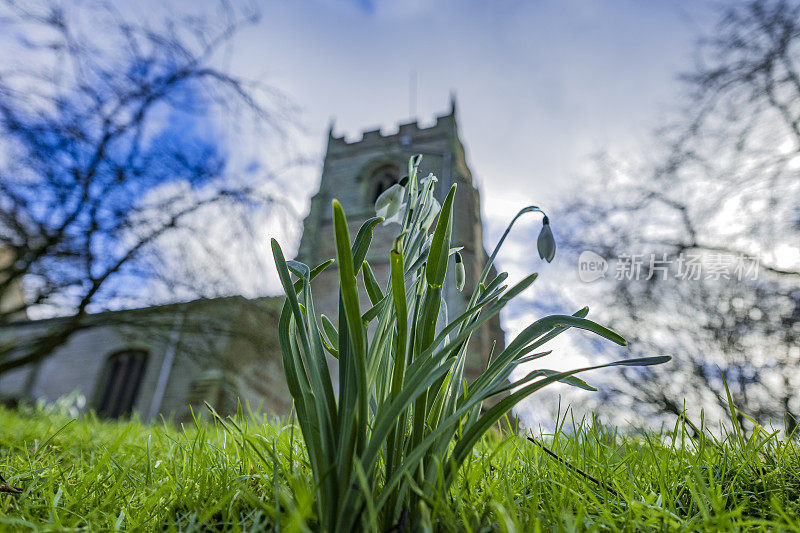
(423, 182)
(461, 273)
(546, 244)
(389, 204)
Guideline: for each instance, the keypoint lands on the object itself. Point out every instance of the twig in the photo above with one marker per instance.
(5, 487)
(574, 468)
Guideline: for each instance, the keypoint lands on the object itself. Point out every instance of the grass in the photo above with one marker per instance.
(94, 475)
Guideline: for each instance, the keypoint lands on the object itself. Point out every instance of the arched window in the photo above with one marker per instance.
(123, 375)
(383, 178)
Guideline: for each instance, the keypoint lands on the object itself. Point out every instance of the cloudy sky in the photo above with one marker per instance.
(541, 85)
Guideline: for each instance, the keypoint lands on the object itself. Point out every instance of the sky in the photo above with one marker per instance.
(541, 86)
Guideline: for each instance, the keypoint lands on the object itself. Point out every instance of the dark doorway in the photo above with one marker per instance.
(123, 376)
(383, 178)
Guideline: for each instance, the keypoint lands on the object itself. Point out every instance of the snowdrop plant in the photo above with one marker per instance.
(405, 420)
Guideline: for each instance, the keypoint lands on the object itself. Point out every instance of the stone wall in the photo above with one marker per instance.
(224, 350)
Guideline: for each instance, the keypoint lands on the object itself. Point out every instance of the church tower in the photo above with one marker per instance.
(356, 172)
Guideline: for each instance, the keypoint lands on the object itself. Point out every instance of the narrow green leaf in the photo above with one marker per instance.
(331, 337)
(569, 380)
(363, 240)
(347, 279)
(317, 270)
(373, 312)
(471, 434)
(371, 284)
(330, 330)
(440, 245)
(401, 316)
(354, 391)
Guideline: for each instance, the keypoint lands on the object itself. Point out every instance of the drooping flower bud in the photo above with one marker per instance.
(546, 244)
(390, 203)
(461, 274)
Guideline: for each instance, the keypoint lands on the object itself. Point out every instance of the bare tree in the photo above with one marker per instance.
(724, 194)
(112, 158)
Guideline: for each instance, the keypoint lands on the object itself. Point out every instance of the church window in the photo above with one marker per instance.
(123, 376)
(382, 179)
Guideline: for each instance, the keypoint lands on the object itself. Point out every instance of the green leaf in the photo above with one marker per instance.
(354, 390)
(299, 269)
(440, 245)
(363, 240)
(500, 278)
(291, 293)
(331, 338)
(347, 280)
(373, 312)
(371, 284)
(569, 380)
(401, 316)
(316, 271)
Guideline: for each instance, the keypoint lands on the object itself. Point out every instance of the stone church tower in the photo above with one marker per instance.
(356, 172)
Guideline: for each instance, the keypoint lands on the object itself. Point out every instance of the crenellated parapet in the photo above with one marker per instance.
(404, 134)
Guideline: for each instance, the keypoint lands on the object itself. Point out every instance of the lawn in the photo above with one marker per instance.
(95, 475)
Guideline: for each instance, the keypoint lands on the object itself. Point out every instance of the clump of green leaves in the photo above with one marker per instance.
(404, 420)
